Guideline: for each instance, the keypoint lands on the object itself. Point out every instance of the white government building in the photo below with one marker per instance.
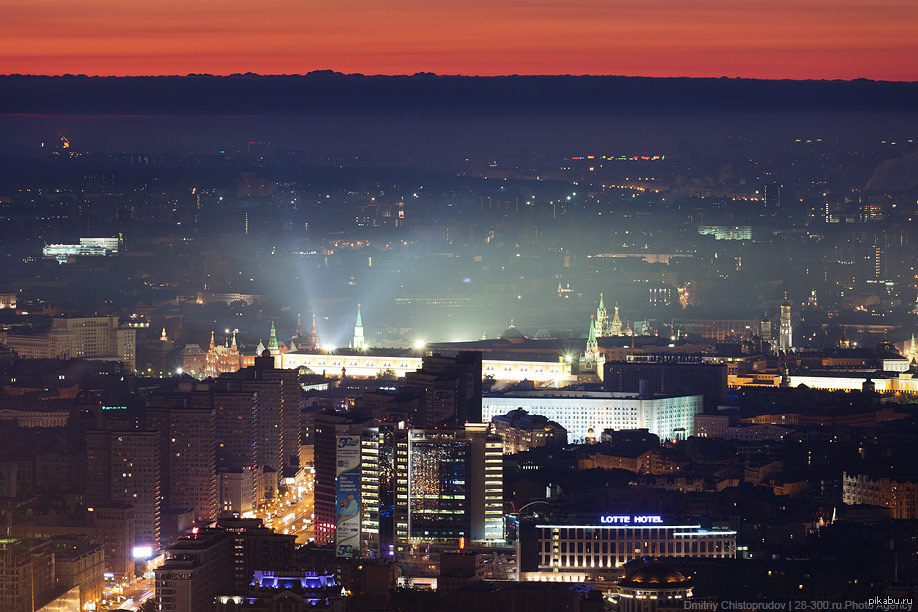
(667, 416)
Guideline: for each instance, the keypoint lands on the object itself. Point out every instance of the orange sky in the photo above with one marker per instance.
(749, 38)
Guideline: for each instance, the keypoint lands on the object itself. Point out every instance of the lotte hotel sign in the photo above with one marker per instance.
(627, 519)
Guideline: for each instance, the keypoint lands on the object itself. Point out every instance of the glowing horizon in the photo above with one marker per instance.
(783, 39)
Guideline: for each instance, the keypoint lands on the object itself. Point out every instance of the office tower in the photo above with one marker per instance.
(671, 376)
(452, 389)
(785, 331)
(346, 472)
(185, 424)
(114, 523)
(448, 485)
(197, 568)
(357, 490)
(124, 467)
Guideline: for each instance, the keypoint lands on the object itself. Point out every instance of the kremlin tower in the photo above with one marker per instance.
(615, 327)
(358, 343)
(602, 319)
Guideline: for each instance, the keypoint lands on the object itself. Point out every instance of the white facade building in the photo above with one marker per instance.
(669, 417)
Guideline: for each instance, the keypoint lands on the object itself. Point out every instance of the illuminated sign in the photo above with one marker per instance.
(627, 519)
(114, 407)
(143, 552)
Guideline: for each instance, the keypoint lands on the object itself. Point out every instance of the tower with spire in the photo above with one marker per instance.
(615, 327)
(602, 317)
(272, 342)
(785, 331)
(358, 343)
(592, 360)
(313, 334)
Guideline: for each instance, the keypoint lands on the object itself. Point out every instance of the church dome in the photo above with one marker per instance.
(512, 333)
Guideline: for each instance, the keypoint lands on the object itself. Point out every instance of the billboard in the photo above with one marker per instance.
(347, 497)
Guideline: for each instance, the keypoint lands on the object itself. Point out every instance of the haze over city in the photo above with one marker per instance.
(429, 307)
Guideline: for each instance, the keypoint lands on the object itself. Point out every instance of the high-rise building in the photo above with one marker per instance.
(197, 568)
(124, 467)
(357, 490)
(185, 424)
(785, 330)
(325, 442)
(452, 389)
(277, 412)
(448, 485)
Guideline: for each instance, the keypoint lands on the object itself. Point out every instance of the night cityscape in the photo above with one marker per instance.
(586, 307)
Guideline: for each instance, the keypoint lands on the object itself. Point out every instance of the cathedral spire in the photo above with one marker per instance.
(299, 326)
(234, 338)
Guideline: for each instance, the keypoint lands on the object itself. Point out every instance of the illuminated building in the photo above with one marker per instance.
(124, 467)
(785, 331)
(221, 359)
(903, 383)
(725, 232)
(96, 338)
(448, 486)
(521, 431)
(898, 494)
(290, 591)
(669, 417)
(347, 470)
(357, 490)
(88, 247)
(79, 564)
(358, 342)
(585, 546)
(367, 365)
(651, 587)
(7, 300)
